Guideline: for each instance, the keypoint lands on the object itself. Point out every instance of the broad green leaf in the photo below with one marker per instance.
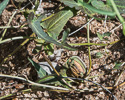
(100, 5)
(3, 5)
(40, 71)
(117, 65)
(54, 25)
(36, 28)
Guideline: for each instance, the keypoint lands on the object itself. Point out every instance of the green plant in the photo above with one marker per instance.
(101, 36)
(95, 6)
(48, 29)
(34, 24)
(54, 24)
(3, 5)
(74, 67)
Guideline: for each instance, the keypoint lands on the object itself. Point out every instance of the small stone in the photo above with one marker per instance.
(46, 94)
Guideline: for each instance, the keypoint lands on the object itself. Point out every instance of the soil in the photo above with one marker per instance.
(19, 65)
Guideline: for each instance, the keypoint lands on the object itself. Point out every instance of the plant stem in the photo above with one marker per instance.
(49, 62)
(89, 44)
(118, 14)
(15, 38)
(13, 4)
(33, 83)
(117, 11)
(7, 96)
(116, 83)
(95, 76)
(5, 59)
(90, 62)
(81, 27)
(91, 8)
(8, 25)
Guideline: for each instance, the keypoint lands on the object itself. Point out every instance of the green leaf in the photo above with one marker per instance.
(123, 25)
(39, 43)
(120, 5)
(54, 25)
(37, 49)
(40, 71)
(107, 34)
(71, 4)
(3, 5)
(49, 79)
(65, 35)
(36, 5)
(93, 9)
(101, 36)
(99, 55)
(82, 5)
(36, 28)
(117, 65)
(100, 5)
(49, 49)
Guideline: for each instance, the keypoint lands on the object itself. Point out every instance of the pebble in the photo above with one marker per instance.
(46, 94)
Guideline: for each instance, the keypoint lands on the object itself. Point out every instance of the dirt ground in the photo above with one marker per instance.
(18, 64)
